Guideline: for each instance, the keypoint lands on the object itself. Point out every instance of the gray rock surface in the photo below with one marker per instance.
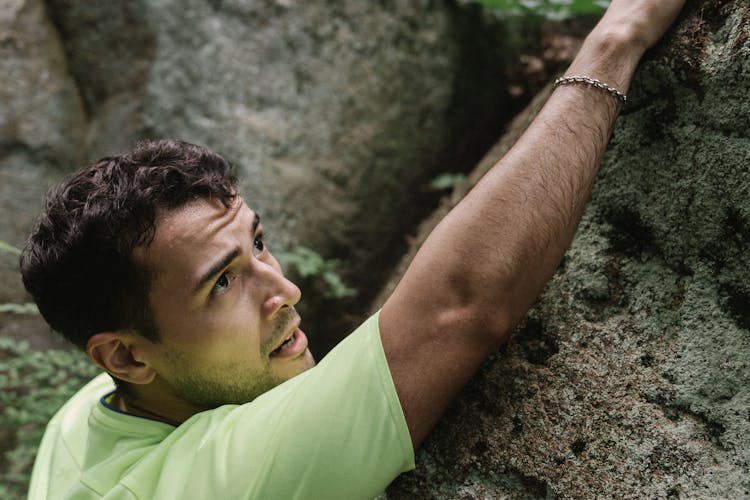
(335, 112)
(41, 123)
(631, 376)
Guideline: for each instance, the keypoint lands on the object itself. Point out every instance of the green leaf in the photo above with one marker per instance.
(7, 247)
(551, 9)
(27, 308)
(308, 264)
(447, 181)
(337, 287)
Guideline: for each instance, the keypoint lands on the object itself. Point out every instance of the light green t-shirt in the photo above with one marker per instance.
(335, 431)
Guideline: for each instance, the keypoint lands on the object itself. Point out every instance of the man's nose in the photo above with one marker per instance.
(280, 292)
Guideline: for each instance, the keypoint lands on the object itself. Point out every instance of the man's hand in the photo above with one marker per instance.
(487, 261)
(642, 21)
(627, 29)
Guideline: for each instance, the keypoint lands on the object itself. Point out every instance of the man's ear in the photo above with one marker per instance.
(114, 351)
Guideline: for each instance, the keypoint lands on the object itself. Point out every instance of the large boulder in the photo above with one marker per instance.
(336, 113)
(42, 124)
(631, 376)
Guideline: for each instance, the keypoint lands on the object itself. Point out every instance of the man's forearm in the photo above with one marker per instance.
(487, 261)
(534, 197)
(537, 192)
(504, 240)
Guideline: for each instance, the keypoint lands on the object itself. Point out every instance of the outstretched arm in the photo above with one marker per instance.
(483, 266)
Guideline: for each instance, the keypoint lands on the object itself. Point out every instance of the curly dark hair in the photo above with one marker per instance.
(78, 262)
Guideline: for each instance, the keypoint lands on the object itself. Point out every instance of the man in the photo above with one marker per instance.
(153, 264)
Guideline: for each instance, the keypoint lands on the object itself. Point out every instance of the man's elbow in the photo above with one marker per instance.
(485, 324)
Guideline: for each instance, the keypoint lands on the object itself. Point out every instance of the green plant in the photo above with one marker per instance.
(33, 385)
(7, 247)
(447, 181)
(550, 9)
(309, 265)
(27, 308)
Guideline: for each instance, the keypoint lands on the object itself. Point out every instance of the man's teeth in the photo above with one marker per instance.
(284, 344)
(287, 341)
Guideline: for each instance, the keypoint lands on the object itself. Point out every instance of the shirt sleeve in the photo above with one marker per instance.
(335, 431)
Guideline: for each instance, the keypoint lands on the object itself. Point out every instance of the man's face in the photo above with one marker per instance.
(224, 313)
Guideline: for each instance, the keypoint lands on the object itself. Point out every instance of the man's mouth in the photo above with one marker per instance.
(292, 345)
(285, 344)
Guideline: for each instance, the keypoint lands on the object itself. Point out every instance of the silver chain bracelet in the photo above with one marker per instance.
(593, 82)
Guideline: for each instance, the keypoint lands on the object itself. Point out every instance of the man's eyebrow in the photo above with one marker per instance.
(224, 262)
(256, 222)
(216, 268)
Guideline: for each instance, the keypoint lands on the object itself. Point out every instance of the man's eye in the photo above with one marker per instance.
(221, 285)
(258, 244)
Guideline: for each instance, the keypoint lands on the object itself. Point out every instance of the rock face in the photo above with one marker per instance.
(35, 83)
(631, 376)
(335, 112)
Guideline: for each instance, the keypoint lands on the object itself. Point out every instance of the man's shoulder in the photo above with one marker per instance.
(71, 419)
(62, 450)
(306, 424)
(86, 442)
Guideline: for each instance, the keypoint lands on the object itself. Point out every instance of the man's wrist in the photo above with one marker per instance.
(592, 82)
(608, 55)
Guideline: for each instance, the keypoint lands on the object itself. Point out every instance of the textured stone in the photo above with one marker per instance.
(631, 376)
(336, 112)
(42, 124)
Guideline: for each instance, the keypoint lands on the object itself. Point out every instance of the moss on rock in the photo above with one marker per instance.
(631, 376)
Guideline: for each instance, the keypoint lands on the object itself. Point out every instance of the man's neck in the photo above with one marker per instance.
(133, 406)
